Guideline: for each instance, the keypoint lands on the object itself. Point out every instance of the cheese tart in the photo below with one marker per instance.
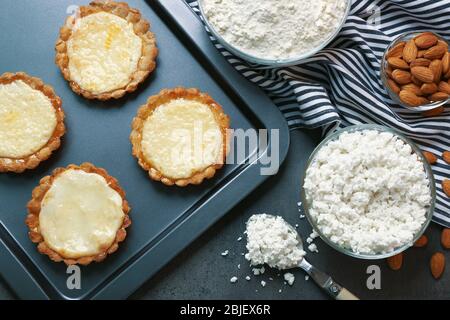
(78, 215)
(106, 50)
(180, 136)
(31, 122)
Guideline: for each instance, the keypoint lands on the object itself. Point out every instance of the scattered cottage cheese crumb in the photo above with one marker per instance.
(234, 280)
(314, 235)
(239, 239)
(258, 271)
(306, 277)
(275, 29)
(309, 240)
(271, 241)
(270, 279)
(263, 284)
(290, 278)
(368, 192)
(313, 248)
(299, 204)
(225, 253)
(280, 291)
(248, 278)
(302, 216)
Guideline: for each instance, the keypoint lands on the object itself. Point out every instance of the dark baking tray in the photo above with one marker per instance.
(165, 220)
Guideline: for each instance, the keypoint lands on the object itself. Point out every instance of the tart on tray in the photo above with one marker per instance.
(180, 136)
(31, 122)
(106, 50)
(78, 215)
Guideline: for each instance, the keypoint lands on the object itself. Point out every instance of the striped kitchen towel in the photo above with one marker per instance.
(341, 85)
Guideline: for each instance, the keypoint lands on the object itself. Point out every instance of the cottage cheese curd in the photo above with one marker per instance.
(271, 241)
(368, 192)
(275, 29)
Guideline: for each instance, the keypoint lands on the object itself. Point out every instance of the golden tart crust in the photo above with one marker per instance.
(34, 209)
(146, 63)
(31, 161)
(164, 97)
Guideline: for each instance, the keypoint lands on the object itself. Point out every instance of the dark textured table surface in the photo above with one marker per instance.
(200, 272)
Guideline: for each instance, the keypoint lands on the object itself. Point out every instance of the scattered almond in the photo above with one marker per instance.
(436, 52)
(446, 156)
(438, 96)
(431, 157)
(398, 63)
(397, 51)
(410, 51)
(446, 63)
(394, 87)
(429, 88)
(426, 40)
(422, 242)
(413, 88)
(436, 68)
(411, 99)
(423, 74)
(444, 87)
(433, 112)
(446, 187)
(445, 238)
(401, 77)
(437, 265)
(395, 262)
(420, 62)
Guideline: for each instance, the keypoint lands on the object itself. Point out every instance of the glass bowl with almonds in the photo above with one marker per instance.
(416, 71)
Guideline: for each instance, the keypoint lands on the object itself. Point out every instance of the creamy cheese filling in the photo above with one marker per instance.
(80, 214)
(182, 137)
(27, 120)
(103, 52)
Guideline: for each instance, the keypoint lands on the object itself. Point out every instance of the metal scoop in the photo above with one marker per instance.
(324, 281)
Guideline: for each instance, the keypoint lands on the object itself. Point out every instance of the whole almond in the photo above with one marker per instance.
(389, 71)
(423, 74)
(422, 242)
(446, 187)
(401, 77)
(416, 81)
(420, 62)
(426, 40)
(429, 88)
(445, 238)
(438, 96)
(394, 87)
(446, 156)
(410, 51)
(431, 157)
(413, 88)
(395, 262)
(446, 63)
(398, 63)
(411, 99)
(436, 52)
(443, 43)
(397, 50)
(437, 265)
(433, 112)
(444, 87)
(436, 67)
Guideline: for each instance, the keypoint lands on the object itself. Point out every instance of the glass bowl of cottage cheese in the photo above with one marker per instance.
(368, 192)
(274, 32)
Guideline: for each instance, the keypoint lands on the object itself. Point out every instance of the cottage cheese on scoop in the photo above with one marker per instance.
(368, 192)
(271, 241)
(275, 29)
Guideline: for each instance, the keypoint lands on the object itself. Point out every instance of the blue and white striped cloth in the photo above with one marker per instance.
(341, 85)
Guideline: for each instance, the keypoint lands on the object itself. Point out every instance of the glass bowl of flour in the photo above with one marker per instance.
(368, 192)
(274, 32)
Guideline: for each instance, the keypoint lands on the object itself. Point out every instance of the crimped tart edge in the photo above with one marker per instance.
(18, 165)
(146, 64)
(153, 103)
(34, 208)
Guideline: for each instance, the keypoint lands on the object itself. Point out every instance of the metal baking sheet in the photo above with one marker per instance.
(165, 220)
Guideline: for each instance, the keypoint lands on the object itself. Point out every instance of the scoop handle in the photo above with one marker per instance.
(346, 295)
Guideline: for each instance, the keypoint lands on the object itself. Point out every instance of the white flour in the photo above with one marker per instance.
(275, 29)
(368, 192)
(270, 241)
